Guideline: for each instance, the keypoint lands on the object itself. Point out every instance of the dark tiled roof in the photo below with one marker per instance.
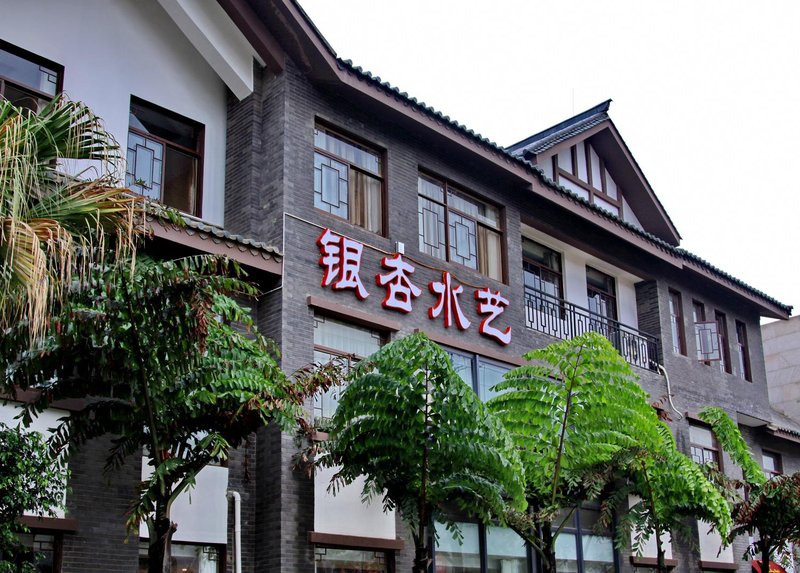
(782, 423)
(193, 225)
(601, 109)
(551, 136)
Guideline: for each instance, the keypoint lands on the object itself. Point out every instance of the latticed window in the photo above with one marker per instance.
(703, 445)
(164, 156)
(336, 339)
(742, 351)
(348, 180)
(455, 226)
(601, 291)
(342, 560)
(772, 464)
(27, 80)
(478, 372)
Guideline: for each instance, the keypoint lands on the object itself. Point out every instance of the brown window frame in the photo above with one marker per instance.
(715, 448)
(608, 295)
(447, 187)
(198, 153)
(33, 58)
(722, 332)
(369, 147)
(778, 459)
(743, 351)
(676, 320)
(587, 186)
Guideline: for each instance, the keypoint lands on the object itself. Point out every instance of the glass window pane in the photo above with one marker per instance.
(180, 180)
(350, 151)
(463, 366)
(27, 73)
(169, 127)
(336, 560)
(366, 201)
(566, 553)
(701, 436)
(505, 551)
(463, 240)
(431, 228)
(490, 255)
(489, 374)
(598, 553)
(430, 188)
(458, 556)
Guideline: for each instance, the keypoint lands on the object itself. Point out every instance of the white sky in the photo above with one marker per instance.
(706, 95)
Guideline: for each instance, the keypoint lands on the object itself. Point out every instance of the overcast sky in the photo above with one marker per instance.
(706, 95)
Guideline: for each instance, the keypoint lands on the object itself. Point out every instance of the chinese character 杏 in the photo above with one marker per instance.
(399, 288)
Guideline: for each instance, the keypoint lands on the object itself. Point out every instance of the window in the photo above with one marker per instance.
(703, 445)
(332, 339)
(188, 558)
(742, 351)
(478, 372)
(164, 156)
(26, 80)
(581, 170)
(336, 560)
(705, 334)
(482, 549)
(580, 548)
(348, 180)
(676, 319)
(722, 330)
(772, 464)
(601, 291)
(44, 549)
(542, 273)
(454, 226)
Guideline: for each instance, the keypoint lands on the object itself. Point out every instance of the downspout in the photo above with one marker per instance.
(237, 529)
(663, 371)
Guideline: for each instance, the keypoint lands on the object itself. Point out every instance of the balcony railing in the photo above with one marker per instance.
(561, 319)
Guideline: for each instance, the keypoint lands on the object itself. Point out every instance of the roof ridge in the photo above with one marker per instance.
(598, 109)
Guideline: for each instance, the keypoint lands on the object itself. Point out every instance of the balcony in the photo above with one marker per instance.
(561, 319)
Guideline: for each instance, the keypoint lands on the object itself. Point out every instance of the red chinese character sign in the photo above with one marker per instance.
(399, 288)
(341, 259)
(493, 304)
(448, 302)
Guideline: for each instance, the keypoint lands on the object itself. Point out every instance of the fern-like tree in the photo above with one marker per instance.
(51, 221)
(576, 415)
(669, 488)
(30, 480)
(423, 440)
(771, 508)
(171, 365)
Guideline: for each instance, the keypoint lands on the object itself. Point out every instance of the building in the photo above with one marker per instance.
(333, 186)
(782, 359)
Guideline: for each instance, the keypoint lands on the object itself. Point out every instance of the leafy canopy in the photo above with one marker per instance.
(422, 437)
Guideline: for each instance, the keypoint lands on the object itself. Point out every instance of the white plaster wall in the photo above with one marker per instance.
(575, 261)
(628, 215)
(44, 423)
(781, 341)
(650, 548)
(201, 513)
(112, 49)
(344, 514)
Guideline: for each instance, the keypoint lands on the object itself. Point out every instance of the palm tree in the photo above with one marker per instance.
(52, 224)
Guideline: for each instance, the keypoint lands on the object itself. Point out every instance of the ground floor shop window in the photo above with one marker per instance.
(188, 558)
(581, 547)
(338, 560)
(44, 549)
(481, 549)
(478, 372)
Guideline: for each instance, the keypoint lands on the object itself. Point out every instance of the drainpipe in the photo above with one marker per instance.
(237, 529)
(663, 371)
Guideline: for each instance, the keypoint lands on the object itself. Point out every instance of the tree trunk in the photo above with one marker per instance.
(548, 549)
(421, 561)
(159, 551)
(661, 565)
(765, 551)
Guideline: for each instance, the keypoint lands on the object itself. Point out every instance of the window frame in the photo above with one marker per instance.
(558, 274)
(359, 142)
(198, 153)
(578, 530)
(222, 551)
(715, 446)
(573, 177)
(34, 59)
(743, 351)
(475, 366)
(778, 463)
(500, 230)
(603, 294)
(722, 332)
(351, 358)
(676, 321)
(483, 548)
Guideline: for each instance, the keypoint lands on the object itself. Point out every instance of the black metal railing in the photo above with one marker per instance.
(561, 319)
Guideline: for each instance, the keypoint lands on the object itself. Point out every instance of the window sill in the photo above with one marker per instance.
(651, 562)
(355, 541)
(50, 523)
(718, 565)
